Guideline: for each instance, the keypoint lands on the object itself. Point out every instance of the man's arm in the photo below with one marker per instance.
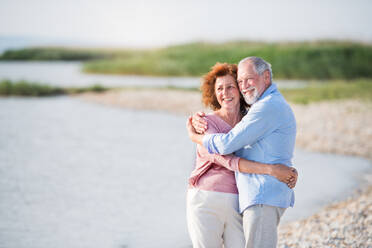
(262, 119)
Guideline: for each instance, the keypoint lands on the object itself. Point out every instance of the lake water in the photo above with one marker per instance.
(74, 174)
(69, 74)
(78, 174)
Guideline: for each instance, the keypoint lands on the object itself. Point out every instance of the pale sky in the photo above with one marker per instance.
(140, 23)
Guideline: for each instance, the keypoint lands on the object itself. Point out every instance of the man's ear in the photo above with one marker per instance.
(267, 77)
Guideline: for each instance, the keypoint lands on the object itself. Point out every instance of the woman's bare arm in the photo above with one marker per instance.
(285, 174)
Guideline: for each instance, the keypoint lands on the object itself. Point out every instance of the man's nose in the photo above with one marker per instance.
(245, 84)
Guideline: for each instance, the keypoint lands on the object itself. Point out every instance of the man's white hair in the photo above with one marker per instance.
(259, 65)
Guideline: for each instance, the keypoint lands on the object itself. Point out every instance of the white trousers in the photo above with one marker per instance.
(213, 219)
(260, 223)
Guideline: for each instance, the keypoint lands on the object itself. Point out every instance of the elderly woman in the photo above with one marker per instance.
(213, 217)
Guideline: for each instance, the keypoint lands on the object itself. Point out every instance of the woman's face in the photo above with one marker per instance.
(227, 92)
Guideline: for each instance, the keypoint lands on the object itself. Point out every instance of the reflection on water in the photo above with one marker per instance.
(76, 174)
(69, 74)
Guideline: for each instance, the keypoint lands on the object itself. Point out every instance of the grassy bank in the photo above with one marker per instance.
(306, 60)
(323, 60)
(330, 90)
(25, 88)
(56, 53)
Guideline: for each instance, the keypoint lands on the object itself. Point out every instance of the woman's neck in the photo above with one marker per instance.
(232, 117)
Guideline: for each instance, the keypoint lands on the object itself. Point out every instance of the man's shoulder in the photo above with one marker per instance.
(275, 99)
(267, 103)
(273, 104)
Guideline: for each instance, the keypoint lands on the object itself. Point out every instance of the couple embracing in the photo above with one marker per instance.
(242, 182)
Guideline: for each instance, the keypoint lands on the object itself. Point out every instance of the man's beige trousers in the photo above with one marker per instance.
(260, 224)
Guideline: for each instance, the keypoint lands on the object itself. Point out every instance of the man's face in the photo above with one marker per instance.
(251, 84)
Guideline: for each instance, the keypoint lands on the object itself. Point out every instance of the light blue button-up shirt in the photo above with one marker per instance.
(266, 134)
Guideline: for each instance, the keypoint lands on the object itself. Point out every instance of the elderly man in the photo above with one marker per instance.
(266, 134)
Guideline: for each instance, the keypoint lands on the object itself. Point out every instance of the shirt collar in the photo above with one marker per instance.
(268, 91)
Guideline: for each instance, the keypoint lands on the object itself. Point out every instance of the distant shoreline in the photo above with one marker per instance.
(321, 60)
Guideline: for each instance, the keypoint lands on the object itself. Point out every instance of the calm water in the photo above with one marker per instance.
(77, 174)
(69, 74)
(80, 175)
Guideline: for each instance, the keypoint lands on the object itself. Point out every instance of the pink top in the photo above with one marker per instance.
(214, 172)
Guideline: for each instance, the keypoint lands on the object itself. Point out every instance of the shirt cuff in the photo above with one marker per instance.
(206, 139)
(235, 164)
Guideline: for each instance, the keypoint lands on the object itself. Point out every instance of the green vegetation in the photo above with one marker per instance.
(322, 60)
(24, 88)
(307, 60)
(55, 54)
(330, 90)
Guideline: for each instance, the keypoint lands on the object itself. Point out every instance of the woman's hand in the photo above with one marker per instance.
(293, 180)
(285, 174)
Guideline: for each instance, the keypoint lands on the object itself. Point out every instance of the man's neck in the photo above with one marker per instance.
(263, 92)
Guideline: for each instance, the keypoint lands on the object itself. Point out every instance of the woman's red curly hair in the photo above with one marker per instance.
(209, 98)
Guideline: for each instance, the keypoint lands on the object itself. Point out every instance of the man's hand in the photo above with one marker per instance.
(190, 129)
(194, 136)
(285, 174)
(199, 124)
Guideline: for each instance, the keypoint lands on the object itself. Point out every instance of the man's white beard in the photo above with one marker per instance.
(250, 99)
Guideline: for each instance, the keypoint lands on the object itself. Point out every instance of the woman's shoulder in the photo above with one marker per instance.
(211, 117)
(214, 122)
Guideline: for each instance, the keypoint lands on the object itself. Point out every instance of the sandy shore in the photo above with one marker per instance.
(342, 127)
(344, 224)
